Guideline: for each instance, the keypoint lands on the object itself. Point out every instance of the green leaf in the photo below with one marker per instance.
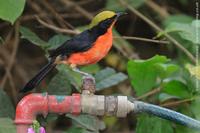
(51, 117)
(195, 107)
(6, 106)
(110, 121)
(176, 88)
(143, 73)
(194, 70)
(101, 75)
(93, 68)
(192, 82)
(178, 18)
(7, 125)
(10, 10)
(107, 78)
(1, 40)
(184, 2)
(186, 31)
(75, 129)
(36, 126)
(163, 97)
(116, 6)
(60, 83)
(32, 37)
(183, 129)
(74, 78)
(57, 40)
(166, 69)
(88, 122)
(150, 124)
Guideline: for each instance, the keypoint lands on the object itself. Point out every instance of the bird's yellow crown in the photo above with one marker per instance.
(101, 16)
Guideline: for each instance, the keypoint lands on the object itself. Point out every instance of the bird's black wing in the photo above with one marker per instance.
(79, 43)
(83, 41)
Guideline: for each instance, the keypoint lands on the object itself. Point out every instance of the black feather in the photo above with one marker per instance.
(38, 77)
(83, 41)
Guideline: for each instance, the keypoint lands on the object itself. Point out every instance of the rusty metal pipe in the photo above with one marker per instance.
(33, 104)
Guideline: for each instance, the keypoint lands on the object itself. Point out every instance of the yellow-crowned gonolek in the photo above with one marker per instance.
(88, 47)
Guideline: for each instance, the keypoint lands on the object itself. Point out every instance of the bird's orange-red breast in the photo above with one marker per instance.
(100, 49)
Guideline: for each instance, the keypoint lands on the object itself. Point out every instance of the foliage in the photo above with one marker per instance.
(7, 125)
(113, 5)
(36, 128)
(144, 73)
(194, 70)
(88, 122)
(6, 108)
(107, 78)
(61, 82)
(185, 31)
(174, 75)
(11, 9)
(1, 40)
(178, 18)
(150, 124)
(29, 35)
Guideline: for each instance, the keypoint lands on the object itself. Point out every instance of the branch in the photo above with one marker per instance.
(160, 10)
(67, 31)
(150, 93)
(176, 103)
(158, 29)
(142, 39)
(78, 8)
(38, 9)
(58, 17)
(11, 63)
(75, 32)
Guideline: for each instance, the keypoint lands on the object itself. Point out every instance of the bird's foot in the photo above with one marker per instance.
(61, 60)
(75, 69)
(85, 75)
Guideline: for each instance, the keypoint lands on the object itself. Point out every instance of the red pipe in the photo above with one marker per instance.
(33, 104)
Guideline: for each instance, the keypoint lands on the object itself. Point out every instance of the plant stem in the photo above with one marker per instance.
(150, 93)
(158, 29)
(142, 39)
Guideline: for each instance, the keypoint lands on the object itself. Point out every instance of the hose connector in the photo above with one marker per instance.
(101, 105)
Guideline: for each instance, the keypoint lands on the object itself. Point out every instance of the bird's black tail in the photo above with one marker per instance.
(38, 77)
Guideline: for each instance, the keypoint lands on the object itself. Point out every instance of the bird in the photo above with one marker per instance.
(86, 48)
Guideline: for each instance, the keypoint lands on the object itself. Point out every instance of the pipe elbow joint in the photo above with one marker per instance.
(31, 105)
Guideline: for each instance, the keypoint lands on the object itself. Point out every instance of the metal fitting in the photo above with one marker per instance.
(88, 86)
(101, 105)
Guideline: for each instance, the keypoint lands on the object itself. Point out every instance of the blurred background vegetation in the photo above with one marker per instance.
(152, 59)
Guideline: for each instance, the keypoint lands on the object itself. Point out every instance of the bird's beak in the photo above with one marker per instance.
(119, 14)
